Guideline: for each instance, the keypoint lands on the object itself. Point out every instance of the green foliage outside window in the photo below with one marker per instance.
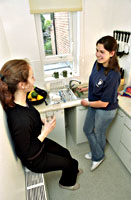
(48, 47)
(46, 25)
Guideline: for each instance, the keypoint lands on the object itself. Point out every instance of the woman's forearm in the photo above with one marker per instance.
(42, 136)
(48, 127)
(95, 104)
(98, 104)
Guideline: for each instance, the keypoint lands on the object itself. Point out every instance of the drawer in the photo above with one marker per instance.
(128, 122)
(125, 156)
(126, 138)
(82, 108)
(120, 113)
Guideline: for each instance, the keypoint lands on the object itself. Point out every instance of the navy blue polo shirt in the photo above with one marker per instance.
(104, 87)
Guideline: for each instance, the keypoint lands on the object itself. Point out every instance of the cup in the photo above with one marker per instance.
(64, 73)
(49, 116)
(56, 75)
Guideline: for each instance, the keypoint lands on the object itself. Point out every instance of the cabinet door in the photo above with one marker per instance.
(124, 150)
(115, 130)
(58, 134)
(126, 137)
(75, 118)
(81, 112)
(125, 156)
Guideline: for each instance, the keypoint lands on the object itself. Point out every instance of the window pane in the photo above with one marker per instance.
(56, 35)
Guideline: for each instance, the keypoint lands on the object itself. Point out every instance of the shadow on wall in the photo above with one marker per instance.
(3, 126)
(12, 173)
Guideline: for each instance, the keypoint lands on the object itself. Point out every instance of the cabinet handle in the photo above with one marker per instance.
(82, 108)
(120, 115)
(127, 127)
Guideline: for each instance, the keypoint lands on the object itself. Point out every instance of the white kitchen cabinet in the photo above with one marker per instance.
(119, 137)
(124, 150)
(75, 118)
(115, 130)
(58, 134)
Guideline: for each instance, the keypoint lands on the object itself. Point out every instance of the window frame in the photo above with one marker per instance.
(74, 39)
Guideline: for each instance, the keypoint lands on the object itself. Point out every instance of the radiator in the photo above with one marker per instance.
(35, 186)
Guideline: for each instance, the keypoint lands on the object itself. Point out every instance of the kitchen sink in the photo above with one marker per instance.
(61, 95)
(66, 94)
(80, 95)
(77, 93)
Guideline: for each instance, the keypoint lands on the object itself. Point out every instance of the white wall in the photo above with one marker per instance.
(18, 39)
(12, 184)
(4, 49)
(19, 28)
(99, 18)
(20, 33)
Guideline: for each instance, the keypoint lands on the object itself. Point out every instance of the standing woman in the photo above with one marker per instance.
(102, 98)
(29, 131)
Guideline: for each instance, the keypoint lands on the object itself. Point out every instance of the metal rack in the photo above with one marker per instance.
(122, 38)
(35, 186)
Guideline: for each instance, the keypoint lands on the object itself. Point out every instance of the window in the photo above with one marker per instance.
(58, 38)
(56, 33)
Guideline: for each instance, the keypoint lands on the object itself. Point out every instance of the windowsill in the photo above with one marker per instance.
(60, 78)
(50, 77)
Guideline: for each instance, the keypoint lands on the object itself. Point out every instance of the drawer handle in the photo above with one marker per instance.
(127, 126)
(83, 109)
(120, 115)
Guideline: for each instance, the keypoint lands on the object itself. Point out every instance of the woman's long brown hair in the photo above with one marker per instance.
(12, 72)
(110, 45)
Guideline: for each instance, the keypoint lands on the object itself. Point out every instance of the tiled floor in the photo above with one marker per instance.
(110, 181)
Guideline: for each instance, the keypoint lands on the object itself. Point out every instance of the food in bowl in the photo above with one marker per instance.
(35, 98)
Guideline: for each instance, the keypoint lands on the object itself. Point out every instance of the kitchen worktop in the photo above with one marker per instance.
(43, 108)
(124, 104)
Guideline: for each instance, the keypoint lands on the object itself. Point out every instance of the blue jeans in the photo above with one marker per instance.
(95, 126)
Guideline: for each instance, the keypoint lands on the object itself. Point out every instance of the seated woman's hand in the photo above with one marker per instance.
(49, 126)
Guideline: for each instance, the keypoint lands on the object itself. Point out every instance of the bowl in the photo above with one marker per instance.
(35, 98)
(37, 102)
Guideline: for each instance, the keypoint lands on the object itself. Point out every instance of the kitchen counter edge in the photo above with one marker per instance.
(124, 105)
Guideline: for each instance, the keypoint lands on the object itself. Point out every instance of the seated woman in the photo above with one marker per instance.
(29, 131)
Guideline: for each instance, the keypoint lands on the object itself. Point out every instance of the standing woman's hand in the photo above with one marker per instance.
(84, 102)
(82, 89)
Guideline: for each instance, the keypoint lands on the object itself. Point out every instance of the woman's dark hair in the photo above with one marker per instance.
(12, 72)
(110, 45)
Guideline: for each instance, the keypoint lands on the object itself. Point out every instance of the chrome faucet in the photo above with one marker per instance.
(70, 85)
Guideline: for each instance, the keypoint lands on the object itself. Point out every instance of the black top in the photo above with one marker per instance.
(104, 88)
(25, 125)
